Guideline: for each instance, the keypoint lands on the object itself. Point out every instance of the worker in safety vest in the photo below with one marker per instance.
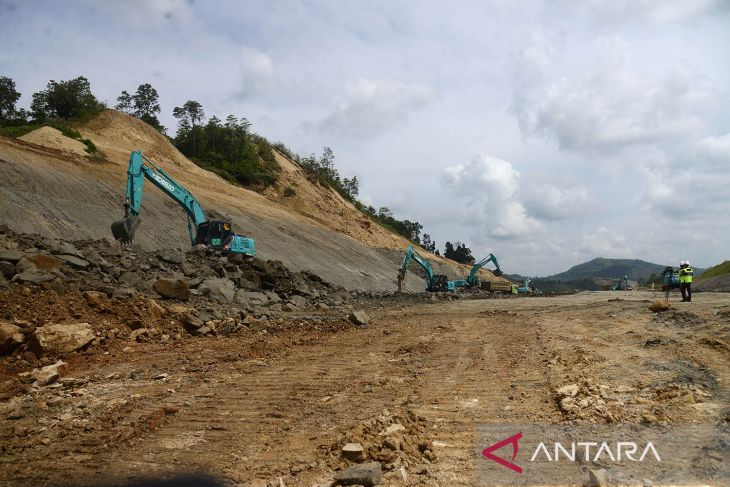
(685, 280)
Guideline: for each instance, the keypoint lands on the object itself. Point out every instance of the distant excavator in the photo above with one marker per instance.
(621, 284)
(434, 282)
(472, 280)
(440, 282)
(216, 234)
(528, 287)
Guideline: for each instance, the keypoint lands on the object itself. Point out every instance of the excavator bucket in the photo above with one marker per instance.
(497, 272)
(124, 229)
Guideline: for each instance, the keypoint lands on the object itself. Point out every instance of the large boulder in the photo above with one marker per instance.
(66, 248)
(7, 269)
(44, 263)
(172, 289)
(49, 373)
(11, 337)
(366, 474)
(33, 277)
(222, 289)
(11, 255)
(251, 297)
(172, 256)
(56, 339)
(74, 261)
(359, 317)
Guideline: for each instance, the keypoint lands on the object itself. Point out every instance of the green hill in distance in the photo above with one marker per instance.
(588, 274)
(612, 269)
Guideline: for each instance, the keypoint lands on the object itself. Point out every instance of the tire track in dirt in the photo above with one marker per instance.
(485, 366)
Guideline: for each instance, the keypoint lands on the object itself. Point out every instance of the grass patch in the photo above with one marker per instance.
(718, 270)
(18, 131)
(61, 126)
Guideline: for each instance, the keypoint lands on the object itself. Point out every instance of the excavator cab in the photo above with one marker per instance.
(219, 235)
(214, 233)
(440, 283)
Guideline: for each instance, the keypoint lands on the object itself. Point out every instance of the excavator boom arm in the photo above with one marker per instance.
(472, 279)
(137, 172)
(411, 254)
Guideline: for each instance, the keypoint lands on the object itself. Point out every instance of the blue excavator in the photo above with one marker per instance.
(670, 279)
(215, 234)
(528, 287)
(434, 282)
(472, 280)
(621, 284)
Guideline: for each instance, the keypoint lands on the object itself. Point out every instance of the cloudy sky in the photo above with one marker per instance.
(547, 132)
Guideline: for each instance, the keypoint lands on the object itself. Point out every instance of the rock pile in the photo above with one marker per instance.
(143, 294)
(123, 271)
(395, 445)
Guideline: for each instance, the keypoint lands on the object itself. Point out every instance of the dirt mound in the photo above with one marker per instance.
(117, 134)
(394, 440)
(713, 284)
(53, 138)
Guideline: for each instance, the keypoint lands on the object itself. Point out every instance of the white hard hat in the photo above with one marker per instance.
(686, 262)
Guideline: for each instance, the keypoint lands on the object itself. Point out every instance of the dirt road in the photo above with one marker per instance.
(272, 403)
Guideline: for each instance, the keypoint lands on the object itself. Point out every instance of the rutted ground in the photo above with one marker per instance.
(280, 401)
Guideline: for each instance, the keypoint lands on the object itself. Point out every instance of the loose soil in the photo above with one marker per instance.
(279, 400)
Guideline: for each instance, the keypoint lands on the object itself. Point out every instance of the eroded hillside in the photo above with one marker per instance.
(58, 193)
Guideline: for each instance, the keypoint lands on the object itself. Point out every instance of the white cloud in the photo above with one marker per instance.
(148, 11)
(689, 184)
(611, 102)
(550, 202)
(488, 188)
(603, 242)
(658, 11)
(371, 107)
(257, 72)
(715, 152)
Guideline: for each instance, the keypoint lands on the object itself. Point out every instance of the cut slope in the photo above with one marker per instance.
(44, 191)
(718, 270)
(715, 278)
(328, 207)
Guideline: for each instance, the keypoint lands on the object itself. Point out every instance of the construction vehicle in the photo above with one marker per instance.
(216, 234)
(498, 287)
(621, 284)
(434, 282)
(670, 279)
(472, 280)
(528, 287)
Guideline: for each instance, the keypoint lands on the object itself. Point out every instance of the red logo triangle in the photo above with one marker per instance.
(487, 452)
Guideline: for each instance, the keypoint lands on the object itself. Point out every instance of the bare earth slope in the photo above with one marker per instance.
(51, 192)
